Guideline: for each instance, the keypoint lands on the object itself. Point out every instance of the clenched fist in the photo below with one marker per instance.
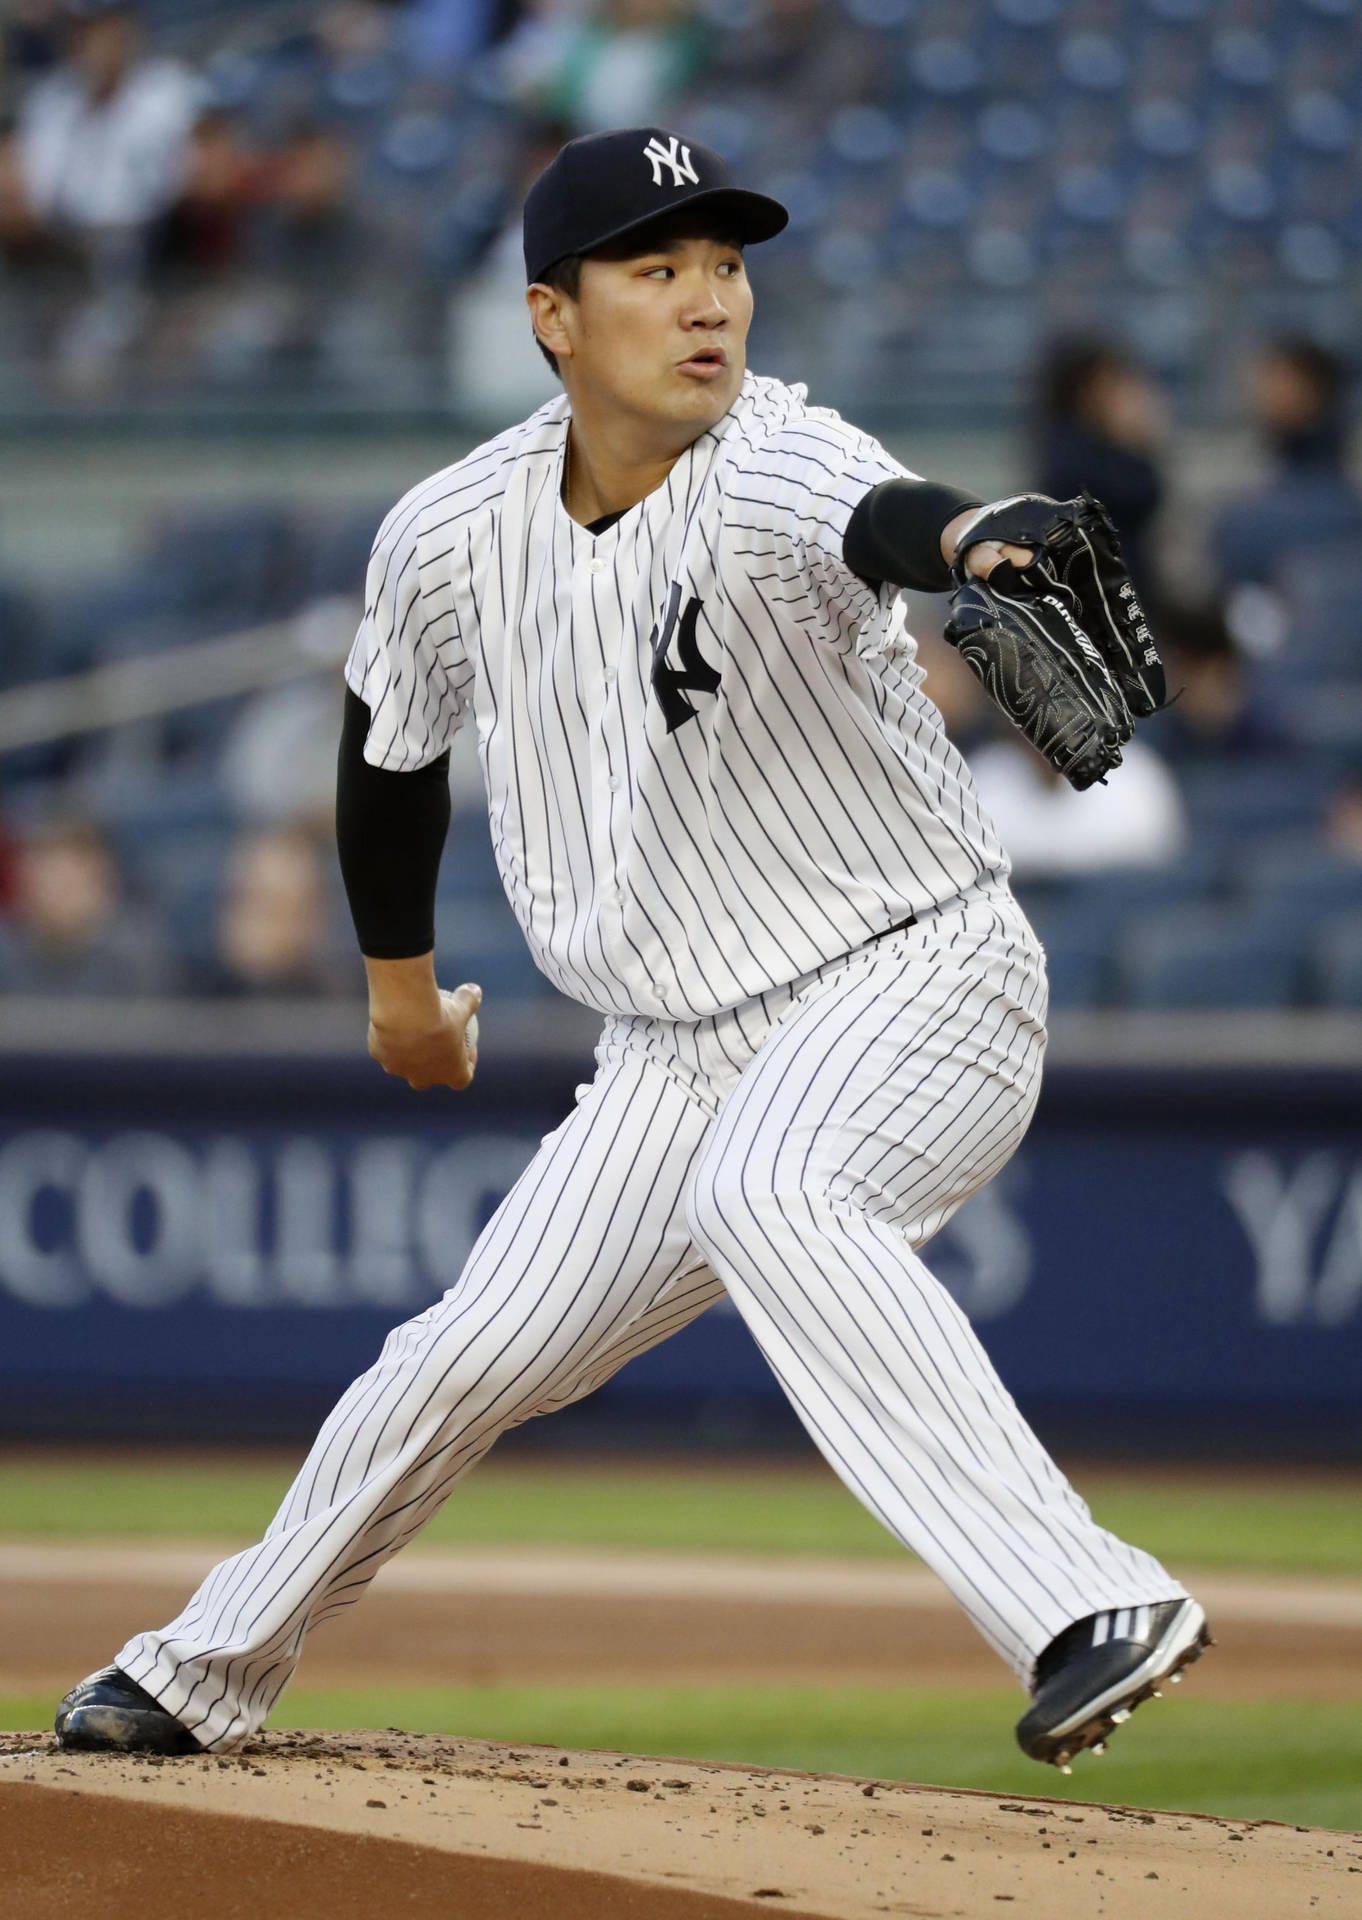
(422, 1033)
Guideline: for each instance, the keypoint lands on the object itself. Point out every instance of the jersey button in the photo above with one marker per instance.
(609, 676)
(599, 566)
(615, 783)
(661, 987)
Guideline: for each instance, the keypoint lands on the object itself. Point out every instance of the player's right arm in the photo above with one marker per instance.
(407, 680)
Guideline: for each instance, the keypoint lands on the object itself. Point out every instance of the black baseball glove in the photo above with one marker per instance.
(1061, 644)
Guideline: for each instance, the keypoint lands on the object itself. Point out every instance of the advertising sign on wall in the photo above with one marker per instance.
(207, 1245)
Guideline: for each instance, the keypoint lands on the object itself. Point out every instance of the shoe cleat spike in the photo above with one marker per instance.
(1099, 1746)
(1156, 1693)
(1119, 1716)
(1175, 1679)
(1064, 1766)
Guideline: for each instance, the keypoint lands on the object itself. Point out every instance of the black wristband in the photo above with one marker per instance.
(390, 833)
(895, 533)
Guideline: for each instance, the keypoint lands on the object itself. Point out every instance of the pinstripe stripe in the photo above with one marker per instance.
(788, 1103)
(795, 1150)
(809, 803)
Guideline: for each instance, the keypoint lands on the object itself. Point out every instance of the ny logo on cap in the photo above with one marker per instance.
(667, 156)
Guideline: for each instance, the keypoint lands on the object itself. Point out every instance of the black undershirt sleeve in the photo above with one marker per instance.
(894, 533)
(390, 833)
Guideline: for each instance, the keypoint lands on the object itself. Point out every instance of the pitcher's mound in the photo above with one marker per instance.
(353, 1826)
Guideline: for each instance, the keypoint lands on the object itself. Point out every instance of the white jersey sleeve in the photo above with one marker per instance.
(408, 663)
(788, 503)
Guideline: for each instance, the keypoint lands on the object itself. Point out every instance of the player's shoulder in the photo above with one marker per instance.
(474, 484)
(775, 430)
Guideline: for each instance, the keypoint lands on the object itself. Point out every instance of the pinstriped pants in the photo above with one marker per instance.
(795, 1151)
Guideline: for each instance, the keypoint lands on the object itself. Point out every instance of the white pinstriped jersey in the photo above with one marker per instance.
(710, 765)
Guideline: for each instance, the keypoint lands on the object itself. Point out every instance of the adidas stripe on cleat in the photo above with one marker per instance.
(1092, 1676)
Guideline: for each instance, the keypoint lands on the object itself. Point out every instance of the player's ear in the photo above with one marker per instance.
(546, 317)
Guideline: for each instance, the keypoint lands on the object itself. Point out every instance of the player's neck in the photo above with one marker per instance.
(610, 469)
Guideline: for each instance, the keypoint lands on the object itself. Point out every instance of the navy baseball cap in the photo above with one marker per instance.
(603, 185)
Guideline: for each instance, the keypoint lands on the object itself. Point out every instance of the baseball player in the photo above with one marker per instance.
(727, 819)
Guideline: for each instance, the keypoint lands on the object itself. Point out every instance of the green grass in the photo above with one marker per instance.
(1269, 1527)
(1292, 1761)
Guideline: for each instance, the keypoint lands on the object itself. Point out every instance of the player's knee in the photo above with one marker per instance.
(706, 1219)
(461, 1373)
(729, 1196)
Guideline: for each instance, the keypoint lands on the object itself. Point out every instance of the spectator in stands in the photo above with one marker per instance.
(71, 928)
(350, 32)
(303, 253)
(496, 370)
(29, 35)
(1216, 711)
(1100, 422)
(1298, 403)
(99, 154)
(202, 232)
(20, 636)
(275, 933)
(442, 36)
(1343, 820)
(278, 759)
(1053, 833)
(9, 869)
(614, 63)
(197, 250)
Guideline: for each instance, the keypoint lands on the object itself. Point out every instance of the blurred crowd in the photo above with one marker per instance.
(1221, 866)
(318, 197)
(1117, 215)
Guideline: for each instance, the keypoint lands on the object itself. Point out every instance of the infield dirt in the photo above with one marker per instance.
(563, 1616)
(346, 1826)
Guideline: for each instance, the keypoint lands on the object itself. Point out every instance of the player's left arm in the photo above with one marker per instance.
(907, 531)
(1042, 609)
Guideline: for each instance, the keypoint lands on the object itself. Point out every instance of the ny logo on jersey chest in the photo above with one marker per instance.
(694, 673)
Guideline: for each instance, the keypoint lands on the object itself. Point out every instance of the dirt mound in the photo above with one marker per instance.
(154, 1863)
(356, 1824)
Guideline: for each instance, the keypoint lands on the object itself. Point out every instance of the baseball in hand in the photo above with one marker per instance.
(456, 1003)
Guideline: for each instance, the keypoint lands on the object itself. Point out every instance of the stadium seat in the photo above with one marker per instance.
(1296, 874)
(1078, 965)
(1235, 803)
(20, 637)
(1077, 950)
(1209, 957)
(1322, 589)
(1102, 901)
(231, 559)
(205, 573)
(160, 810)
(1326, 717)
(336, 548)
(1336, 962)
(481, 941)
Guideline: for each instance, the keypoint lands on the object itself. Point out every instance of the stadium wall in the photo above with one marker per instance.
(211, 1215)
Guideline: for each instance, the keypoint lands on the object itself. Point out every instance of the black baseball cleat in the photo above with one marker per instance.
(108, 1713)
(1094, 1675)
